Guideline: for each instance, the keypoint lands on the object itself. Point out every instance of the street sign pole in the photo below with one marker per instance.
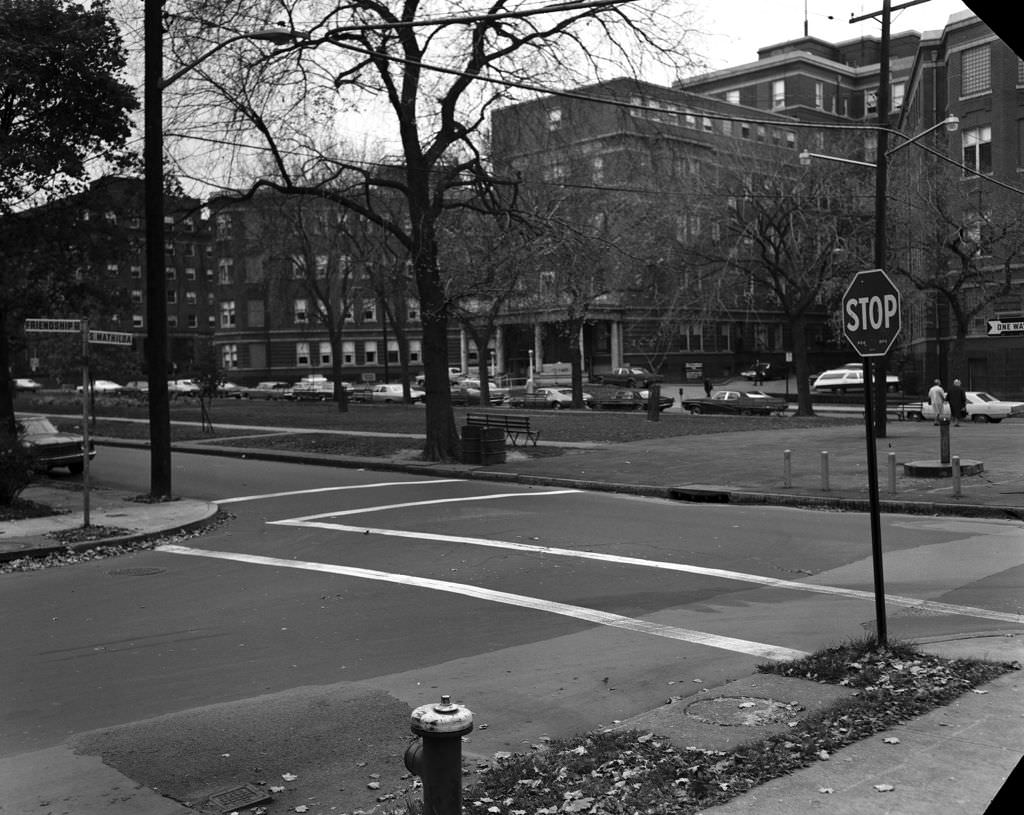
(86, 397)
(874, 507)
(871, 324)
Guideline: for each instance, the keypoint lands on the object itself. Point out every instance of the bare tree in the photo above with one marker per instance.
(959, 239)
(789, 239)
(433, 71)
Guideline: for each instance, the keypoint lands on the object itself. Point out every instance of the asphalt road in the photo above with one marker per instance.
(296, 637)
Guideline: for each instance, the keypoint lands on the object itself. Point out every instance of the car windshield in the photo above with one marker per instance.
(981, 396)
(36, 426)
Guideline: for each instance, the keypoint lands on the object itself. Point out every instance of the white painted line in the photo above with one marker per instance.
(756, 649)
(309, 519)
(725, 574)
(336, 489)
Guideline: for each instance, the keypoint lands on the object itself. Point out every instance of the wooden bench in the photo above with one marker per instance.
(514, 426)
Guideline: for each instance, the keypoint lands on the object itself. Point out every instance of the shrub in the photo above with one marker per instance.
(16, 468)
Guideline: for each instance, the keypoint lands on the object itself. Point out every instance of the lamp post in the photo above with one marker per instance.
(153, 205)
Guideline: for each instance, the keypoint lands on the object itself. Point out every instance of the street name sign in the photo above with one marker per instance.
(1005, 327)
(54, 325)
(871, 313)
(111, 337)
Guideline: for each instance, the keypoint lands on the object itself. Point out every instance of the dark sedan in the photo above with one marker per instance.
(50, 447)
(629, 400)
(743, 403)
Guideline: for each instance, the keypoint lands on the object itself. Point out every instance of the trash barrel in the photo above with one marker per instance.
(492, 445)
(471, 444)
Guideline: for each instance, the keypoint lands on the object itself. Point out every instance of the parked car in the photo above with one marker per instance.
(183, 387)
(313, 388)
(103, 386)
(555, 398)
(50, 447)
(28, 385)
(270, 390)
(629, 400)
(232, 390)
(849, 378)
(392, 392)
(743, 403)
(137, 386)
(467, 392)
(454, 375)
(763, 371)
(629, 377)
(980, 406)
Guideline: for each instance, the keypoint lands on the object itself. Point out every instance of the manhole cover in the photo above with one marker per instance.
(138, 571)
(742, 711)
(238, 797)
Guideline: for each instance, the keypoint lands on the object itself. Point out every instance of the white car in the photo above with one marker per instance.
(393, 393)
(103, 386)
(183, 387)
(980, 405)
(849, 378)
(27, 385)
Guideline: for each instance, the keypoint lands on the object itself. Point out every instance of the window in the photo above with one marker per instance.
(779, 93)
(229, 356)
(369, 311)
(301, 310)
(227, 314)
(691, 337)
(370, 352)
(871, 147)
(977, 154)
(302, 353)
(898, 89)
(415, 351)
(732, 97)
(321, 267)
(193, 320)
(325, 354)
(223, 227)
(169, 247)
(392, 351)
(190, 250)
(190, 273)
(190, 298)
(412, 311)
(554, 170)
(724, 337)
(547, 284)
(348, 353)
(819, 95)
(137, 321)
(136, 296)
(597, 169)
(554, 118)
(871, 101)
(135, 271)
(225, 270)
(172, 320)
(745, 130)
(171, 272)
(172, 296)
(975, 71)
(112, 270)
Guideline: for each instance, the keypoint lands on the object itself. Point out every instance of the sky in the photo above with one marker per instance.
(737, 28)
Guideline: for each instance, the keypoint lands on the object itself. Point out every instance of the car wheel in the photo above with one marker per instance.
(696, 409)
(746, 412)
(77, 468)
(992, 420)
(556, 405)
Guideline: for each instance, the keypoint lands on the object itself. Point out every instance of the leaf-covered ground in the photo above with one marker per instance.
(615, 772)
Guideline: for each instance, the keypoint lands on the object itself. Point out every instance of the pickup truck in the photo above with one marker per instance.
(629, 377)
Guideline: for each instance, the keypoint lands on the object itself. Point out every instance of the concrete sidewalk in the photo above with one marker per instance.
(953, 759)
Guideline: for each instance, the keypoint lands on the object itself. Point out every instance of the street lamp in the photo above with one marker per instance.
(153, 204)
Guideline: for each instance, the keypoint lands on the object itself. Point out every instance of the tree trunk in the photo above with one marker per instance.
(798, 330)
(7, 422)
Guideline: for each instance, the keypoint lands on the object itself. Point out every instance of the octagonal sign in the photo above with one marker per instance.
(871, 313)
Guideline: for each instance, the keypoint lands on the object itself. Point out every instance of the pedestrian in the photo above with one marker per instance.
(957, 402)
(707, 387)
(937, 397)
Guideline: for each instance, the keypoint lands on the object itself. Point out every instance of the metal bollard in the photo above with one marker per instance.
(653, 399)
(436, 756)
(892, 473)
(944, 441)
(787, 468)
(956, 477)
(824, 470)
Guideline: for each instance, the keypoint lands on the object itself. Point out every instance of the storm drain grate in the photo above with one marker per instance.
(238, 797)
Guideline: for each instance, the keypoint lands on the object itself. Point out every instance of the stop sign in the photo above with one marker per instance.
(871, 313)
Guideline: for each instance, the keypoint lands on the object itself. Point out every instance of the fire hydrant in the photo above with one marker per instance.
(436, 756)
